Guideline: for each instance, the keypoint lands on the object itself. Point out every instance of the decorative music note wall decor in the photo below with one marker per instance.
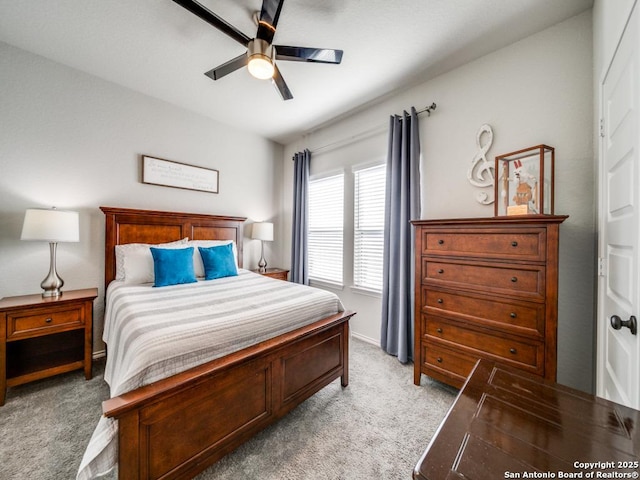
(481, 172)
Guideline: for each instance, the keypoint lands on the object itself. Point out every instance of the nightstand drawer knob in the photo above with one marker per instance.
(439, 359)
(514, 279)
(48, 320)
(439, 330)
(440, 300)
(440, 242)
(514, 244)
(513, 314)
(513, 351)
(440, 270)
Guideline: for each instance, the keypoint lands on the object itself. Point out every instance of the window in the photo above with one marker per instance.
(368, 234)
(326, 203)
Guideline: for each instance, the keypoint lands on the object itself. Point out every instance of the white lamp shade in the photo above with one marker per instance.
(262, 231)
(51, 225)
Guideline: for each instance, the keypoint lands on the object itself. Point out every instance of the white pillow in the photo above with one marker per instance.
(198, 266)
(134, 262)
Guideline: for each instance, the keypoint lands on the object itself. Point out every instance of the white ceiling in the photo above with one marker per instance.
(158, 48)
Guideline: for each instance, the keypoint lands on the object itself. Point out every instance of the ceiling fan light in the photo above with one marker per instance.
(260, 63)
(260, 66)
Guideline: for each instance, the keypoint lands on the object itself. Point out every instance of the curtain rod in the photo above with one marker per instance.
(428, 109)
(365, 134)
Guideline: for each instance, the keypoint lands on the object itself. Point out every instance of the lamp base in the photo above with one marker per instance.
(52, 284)
(262, 264)
(56, 292)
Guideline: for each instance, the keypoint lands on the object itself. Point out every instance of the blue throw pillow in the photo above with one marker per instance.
(172, 266)
(218, 261)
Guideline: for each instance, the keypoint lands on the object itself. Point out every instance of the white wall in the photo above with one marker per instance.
(538, 90)
(74, 141)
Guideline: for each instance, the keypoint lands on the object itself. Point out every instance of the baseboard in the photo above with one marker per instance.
(99, 354)
(364, 338)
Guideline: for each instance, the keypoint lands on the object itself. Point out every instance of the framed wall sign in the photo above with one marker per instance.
(157, 171)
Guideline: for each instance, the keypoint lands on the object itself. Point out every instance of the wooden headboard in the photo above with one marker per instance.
(124, 225)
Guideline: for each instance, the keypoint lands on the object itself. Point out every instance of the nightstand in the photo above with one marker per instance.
(278, 273)
(41, 337)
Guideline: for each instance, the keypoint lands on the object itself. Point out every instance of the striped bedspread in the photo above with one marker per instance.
(153, 333)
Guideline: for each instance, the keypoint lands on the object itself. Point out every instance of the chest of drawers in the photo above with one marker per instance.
(486, 288)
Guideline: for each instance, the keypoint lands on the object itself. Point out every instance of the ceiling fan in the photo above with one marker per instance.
(261, 53)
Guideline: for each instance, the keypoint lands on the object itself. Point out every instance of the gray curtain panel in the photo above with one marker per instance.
(402, 206)
(299, 230)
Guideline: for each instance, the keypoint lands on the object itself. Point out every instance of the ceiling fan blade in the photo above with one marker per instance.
(269, 19)
(306, 54)
(281, 85)
(228, 67)
(213, 19)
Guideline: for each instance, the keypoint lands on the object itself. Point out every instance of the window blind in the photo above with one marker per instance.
(369, 198)
(326, 204)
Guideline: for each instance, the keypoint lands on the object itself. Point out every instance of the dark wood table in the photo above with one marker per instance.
(508, 424)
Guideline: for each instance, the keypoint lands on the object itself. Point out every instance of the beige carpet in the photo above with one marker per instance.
(376, 428)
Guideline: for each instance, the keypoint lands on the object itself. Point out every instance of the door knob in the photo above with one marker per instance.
(632, 324)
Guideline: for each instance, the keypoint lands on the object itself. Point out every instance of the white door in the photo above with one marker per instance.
(618, 350)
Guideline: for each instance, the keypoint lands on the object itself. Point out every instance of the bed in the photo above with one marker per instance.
(175, 427)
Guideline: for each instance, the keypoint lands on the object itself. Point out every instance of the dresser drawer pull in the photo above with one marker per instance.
(513, 314)
(439, 359)
(514, 279)
(439, 330)
(48, 320)
(440, 270)
(440, 242)
(513, 350)
(514, 244)
(440, 300)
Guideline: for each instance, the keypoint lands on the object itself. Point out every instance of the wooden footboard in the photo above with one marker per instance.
(175, 428)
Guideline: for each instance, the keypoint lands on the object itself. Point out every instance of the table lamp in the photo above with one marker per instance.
(262, 231)
(53, 226)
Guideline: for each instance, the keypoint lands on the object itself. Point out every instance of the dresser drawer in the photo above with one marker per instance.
(43, 321)
(447, 361)
(513, 316)
(502, 348)
(525, 281)
(515, 244)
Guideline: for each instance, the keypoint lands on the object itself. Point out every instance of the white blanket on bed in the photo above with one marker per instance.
(153, 333)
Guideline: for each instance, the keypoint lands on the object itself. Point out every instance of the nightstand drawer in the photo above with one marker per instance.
(43, 322)
(277, 273)
(283, 275)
